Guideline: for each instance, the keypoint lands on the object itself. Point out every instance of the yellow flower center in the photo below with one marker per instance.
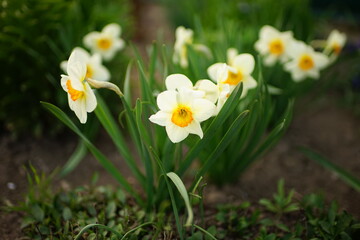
(104, 43)
(234, 78)
(89, 71)
(182, 116)
(74, 94)
(337, 48)
(306, 62)
(276, 47)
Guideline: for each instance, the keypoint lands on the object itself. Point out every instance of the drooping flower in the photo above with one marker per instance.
(335, 43)
(239, 71)
(184, 38)
(181, 112)
(305, 62)
(94, 68)
(81, 97)
(107, 42)
(273, 45)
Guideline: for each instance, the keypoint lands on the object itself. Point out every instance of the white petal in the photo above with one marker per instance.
(195, 128)
(112, 29)
(298, 75)
(64, 79)
(245, 63)
(90, 98)
(313, 73)
(161, 118)
(176, 133)
(321, 60)
(262, 47)
(77, 71)
(248, 83)
(213, 69)
(231, 53)
(167, 100)
(102, 74)
(63, 66)
(89, 40)
(267, 32)
(202, 109)
(118, 44)
(79, 109)
(210, 89)
(176, 81)
(270, 60)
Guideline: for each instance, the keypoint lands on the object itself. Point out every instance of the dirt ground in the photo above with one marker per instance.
(323, 125)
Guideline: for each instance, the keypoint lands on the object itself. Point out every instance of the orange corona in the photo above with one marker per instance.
(233, 78)
(74, 94)
(104, 43)
(276, 47)
(306, 62)
(182, 116)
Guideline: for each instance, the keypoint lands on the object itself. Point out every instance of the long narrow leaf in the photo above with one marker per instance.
(343, 174)
(183, 192)
(108, 165)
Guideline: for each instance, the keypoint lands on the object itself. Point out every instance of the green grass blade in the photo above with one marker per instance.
(183, 192)
(75, 159)
(173, 202)
(108, 122)
(134, 229)
(210, 132)
(343, 174)
(127, 85)
(108, 165)
(204, 231)
(87, 227)
(225, 141)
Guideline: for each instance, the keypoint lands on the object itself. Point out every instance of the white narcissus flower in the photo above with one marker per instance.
(81, 97)
(107, 42)
(184, 38)
(94, 68)
(273, 45)
(181, 112)
(305, 62)
(335, 43)
(239, 71)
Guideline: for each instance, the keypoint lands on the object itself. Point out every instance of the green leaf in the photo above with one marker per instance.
(183, 192)
(108, 165)
(66, 214)
(344, 175)
(37, 212)
(127, 85)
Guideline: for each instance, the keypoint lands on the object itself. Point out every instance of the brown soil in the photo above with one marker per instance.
(321, 125)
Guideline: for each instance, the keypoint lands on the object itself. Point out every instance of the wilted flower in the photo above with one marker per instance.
(181, 112)
(184, 38)
(94, 68)
(335, 43)
(239, 71)
(107, 42)
(273, 45)
(81, 97)
(305, 62)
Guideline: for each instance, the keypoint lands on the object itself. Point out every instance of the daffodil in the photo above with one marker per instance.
(107, 42)
(305, 62)
(94, 68)
(238, 71)
(181, 112)
(184, 38)
(273, 45)
(335, 43)
(81, 97)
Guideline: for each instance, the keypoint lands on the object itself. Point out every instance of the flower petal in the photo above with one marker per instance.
(112, 29)
(90, 98)
(210, 89)
(161, 118)
(176, 133)
(213, 70)
(167, 100)
(202, 109)
(245, 63)
(177, 81)
(195, 128)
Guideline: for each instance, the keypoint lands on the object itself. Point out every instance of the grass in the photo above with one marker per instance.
(102, 212)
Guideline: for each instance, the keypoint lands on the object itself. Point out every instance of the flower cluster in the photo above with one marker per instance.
(184, 105)
(83, 68)
(300, 59)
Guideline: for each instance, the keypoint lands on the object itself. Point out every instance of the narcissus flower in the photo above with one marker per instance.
(335, 43)
(81, 97)
(94, 68)
(107, 42)
(184, 38)
(239, 71)
(305, 62)
(273, 45)
(181, 112)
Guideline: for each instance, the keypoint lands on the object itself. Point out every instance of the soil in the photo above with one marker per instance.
(322, 125)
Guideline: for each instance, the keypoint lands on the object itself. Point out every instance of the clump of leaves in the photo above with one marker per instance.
(35, 36)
